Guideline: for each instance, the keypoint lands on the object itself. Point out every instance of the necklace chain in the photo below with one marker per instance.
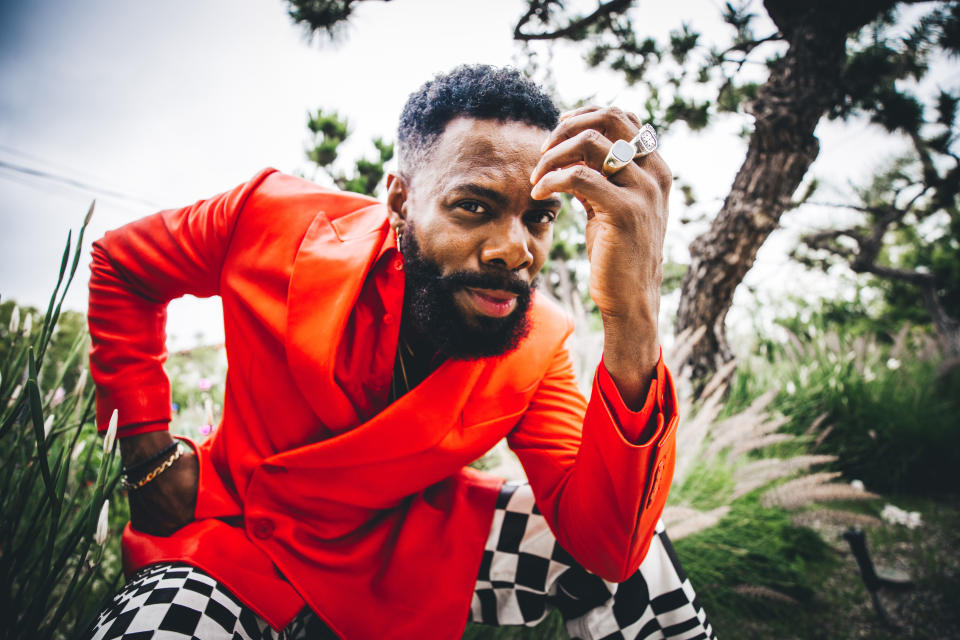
(400, 383)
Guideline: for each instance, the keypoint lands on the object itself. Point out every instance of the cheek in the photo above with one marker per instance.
(451, 248)
(540, 247)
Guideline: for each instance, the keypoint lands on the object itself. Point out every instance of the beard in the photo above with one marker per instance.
(428, 300)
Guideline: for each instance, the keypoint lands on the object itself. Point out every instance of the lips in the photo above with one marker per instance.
(492, 302)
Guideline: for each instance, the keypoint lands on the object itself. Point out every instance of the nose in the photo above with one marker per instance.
(507, 246)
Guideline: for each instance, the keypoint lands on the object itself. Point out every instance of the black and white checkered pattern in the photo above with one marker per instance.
(179, 602)
(525, 573)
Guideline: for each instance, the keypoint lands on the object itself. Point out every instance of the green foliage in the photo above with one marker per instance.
(753, 546)
(881, 57)
(673, 273)
(678, 72)
(891, 414)
(55, 477)
(327, 132)
(323, 18)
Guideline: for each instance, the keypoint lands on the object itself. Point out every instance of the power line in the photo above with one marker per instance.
(75, 183)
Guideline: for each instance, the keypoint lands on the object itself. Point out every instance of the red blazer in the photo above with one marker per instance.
(309, 493)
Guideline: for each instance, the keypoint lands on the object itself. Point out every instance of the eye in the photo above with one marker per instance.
(472, 206)
(541, 217)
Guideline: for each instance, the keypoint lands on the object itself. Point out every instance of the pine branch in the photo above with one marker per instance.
(537, 6)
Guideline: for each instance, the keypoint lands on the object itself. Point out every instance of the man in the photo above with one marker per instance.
(374, 351)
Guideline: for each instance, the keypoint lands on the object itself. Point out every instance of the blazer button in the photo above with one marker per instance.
(263, 528)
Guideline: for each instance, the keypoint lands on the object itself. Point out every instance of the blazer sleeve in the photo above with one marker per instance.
(601, 493)
(135, 271)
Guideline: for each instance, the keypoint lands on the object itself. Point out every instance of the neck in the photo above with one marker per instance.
(416, 359)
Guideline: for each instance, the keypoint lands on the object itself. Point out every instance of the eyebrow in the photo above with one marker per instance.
(501, 200)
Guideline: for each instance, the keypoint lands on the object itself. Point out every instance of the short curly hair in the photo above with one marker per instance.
(476, 91)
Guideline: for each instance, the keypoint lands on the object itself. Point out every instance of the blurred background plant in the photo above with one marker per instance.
(59, 554)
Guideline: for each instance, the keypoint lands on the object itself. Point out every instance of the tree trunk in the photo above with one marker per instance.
(801, 87)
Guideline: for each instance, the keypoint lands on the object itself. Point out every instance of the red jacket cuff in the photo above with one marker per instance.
(637, 426)
(139, 410)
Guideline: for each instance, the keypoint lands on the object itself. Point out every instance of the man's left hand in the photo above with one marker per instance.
(626, 223)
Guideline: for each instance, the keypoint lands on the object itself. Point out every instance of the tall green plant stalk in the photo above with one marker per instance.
(55, 502)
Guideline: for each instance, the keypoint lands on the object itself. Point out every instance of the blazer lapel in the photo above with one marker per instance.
(328, 274)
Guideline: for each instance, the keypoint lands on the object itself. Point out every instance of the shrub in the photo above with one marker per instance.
(891, 412)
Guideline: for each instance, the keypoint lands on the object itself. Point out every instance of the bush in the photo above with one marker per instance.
(891, 414)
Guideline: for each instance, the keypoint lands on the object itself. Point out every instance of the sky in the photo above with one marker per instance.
(146, 106)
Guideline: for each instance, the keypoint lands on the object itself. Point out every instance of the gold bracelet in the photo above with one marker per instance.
(166, 464)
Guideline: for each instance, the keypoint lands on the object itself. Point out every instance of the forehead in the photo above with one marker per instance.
(484, 150)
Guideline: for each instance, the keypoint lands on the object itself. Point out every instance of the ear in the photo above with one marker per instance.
(397, 194)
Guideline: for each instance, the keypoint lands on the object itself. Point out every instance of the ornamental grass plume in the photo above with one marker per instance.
(816, 487)
(720, 461)
(837, 518)
(765, 593)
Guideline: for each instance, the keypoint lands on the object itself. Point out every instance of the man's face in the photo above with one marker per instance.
(474, 239)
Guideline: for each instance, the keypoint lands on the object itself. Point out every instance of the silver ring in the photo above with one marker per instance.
(620, 155)
(645, 142)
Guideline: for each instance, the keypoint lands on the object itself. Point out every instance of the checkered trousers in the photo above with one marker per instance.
(524, 574)
(179, 602)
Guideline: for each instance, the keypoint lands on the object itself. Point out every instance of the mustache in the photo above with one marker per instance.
(499, 281)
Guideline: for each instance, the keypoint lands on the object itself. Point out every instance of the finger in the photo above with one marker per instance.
(578, 111)
(612, 122)
(580, 181)
(589, 147)
(654, 165)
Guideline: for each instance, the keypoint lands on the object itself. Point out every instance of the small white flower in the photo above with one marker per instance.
(111, 434)
(893, 364)
(47, 426)
(27, 323)
(15, 319)
(896, 515)
(857, 484)
(103, 522)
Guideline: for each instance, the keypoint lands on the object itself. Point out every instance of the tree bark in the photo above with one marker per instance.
(801, 87)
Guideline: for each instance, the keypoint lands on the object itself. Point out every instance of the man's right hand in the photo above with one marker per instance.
(167, 502)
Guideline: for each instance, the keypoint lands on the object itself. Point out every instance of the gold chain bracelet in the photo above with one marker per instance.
(166, 464)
